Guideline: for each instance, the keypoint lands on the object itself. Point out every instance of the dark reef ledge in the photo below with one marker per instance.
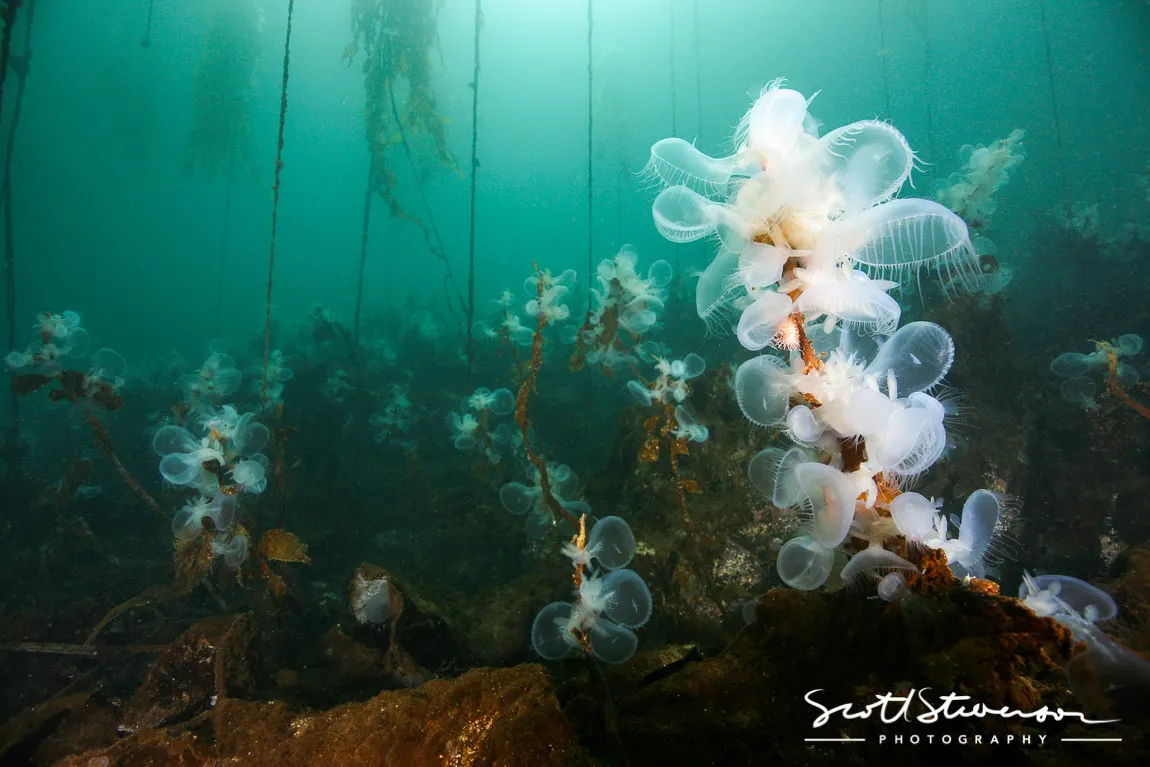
(745, 705)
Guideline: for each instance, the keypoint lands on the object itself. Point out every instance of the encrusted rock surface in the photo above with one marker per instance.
(746, 706)
(208, 661)
(506, 717)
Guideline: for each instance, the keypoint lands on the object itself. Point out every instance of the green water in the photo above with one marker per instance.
(106, 222)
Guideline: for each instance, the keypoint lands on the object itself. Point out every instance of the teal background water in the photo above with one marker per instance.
(107, 223)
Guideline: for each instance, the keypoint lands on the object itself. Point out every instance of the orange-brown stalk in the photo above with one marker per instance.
(1115, 387)
(279, 473)
(682, 486)
(521, 398)
(580, 541)
(659, 428)
(104, 442)
(853, 450)
(608, 336)
(811, 359)
(854, 453)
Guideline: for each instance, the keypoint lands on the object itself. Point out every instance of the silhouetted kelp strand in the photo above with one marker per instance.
(20, 67)
(590, 144)
(282, 435)
(374, 185)
(674, 90)
(363, 236)
(224, 238)
(275, 204)
(8, 16)
(327, 331)
(926, 84)
(1054, 107)
(474, 174)
(389, 56)
(437, 248)
(146, 40)
(674, 101)
(882, 56)
(590, 170)
(63, 648)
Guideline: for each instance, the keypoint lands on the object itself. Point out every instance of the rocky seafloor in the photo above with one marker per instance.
(208, 698)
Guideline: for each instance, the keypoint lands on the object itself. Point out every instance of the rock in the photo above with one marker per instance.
(506, 717)
(91, 725)
(417, 641)
(747, 704)
(1132, 592)
(339, 670)
(496, 622)
(208, 662)
(21, 734)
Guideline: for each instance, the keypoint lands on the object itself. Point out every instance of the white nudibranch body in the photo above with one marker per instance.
(689, 429)
(463, 429)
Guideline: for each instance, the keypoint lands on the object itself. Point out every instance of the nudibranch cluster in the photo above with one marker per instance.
(219, 461)
(62, 340)
(610, 600)
(812, 241)
(220, 465)
(625, 305)
(1075, 369)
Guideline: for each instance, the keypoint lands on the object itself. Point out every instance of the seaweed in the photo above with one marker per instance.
(526, 387)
